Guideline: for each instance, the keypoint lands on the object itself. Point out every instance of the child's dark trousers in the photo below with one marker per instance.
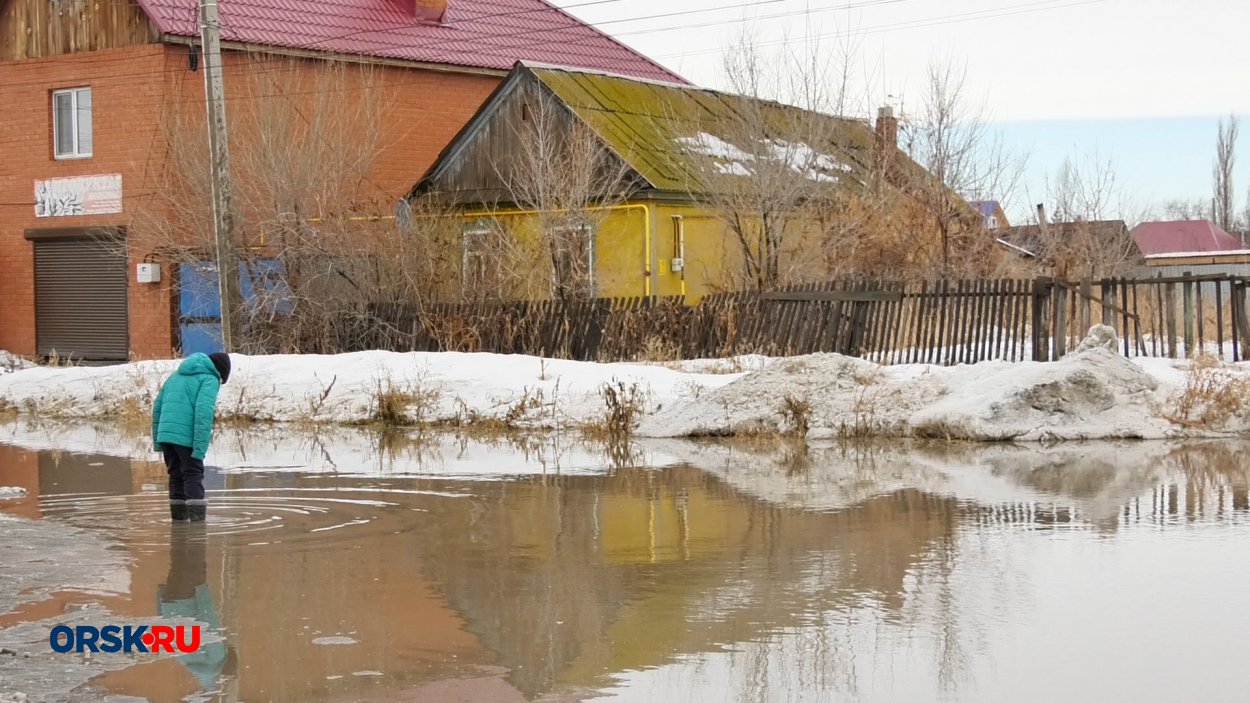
(186, 483)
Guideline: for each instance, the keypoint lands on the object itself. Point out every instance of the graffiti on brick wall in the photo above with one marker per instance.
(79, 195)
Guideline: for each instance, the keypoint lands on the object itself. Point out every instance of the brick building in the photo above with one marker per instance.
(89, 90)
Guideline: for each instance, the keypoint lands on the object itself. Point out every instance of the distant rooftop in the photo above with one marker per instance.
(490, 35)
(1183, 236)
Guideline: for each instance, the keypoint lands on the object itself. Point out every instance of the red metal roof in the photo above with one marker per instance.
(483, 34)
(1183, 236)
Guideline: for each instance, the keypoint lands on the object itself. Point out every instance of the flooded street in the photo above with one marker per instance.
(452, 570)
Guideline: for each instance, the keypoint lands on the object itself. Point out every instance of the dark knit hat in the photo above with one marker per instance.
(222, 361)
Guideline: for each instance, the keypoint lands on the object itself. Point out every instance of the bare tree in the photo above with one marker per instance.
(964, 159)
(1083, 239)
(1222, 173)
(315, 251)
(792, 207)
(567, 181)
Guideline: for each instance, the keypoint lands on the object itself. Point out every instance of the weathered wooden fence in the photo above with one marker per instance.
(944, 322)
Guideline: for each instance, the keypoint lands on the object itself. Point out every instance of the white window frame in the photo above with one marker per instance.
(589, 233)
(75, 149)
(473, 264)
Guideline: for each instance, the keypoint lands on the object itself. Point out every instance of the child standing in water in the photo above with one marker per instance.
(182, 427)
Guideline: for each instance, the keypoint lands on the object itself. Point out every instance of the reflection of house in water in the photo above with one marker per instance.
(567, 580)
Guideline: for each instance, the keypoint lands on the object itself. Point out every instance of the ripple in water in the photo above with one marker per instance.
(272, 516)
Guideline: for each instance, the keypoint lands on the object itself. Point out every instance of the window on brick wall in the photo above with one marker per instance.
(71, 123)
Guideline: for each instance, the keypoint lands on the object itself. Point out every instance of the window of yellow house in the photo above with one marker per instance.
(479, 269)
(574, 258)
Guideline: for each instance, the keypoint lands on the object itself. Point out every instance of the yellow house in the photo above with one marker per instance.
(606, 186)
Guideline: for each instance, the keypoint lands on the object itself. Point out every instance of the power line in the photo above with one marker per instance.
(1047, 5)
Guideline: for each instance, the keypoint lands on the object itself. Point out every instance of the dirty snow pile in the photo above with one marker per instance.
(1090, 394)
(11, 492)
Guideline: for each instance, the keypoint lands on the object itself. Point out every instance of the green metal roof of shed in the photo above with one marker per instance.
(674, 135)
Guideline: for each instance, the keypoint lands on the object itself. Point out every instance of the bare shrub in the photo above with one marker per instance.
(624, 405)
(798, 414)
(409, 402)
(1214, 395)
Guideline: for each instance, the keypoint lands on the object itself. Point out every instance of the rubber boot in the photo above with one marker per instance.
(197, 510)
(178, 510)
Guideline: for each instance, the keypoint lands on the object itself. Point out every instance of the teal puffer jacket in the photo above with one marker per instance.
(183, 413)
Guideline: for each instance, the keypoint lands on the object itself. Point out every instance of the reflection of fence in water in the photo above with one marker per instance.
(948, 322)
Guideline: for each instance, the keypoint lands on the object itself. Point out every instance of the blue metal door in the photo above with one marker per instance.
(199, 305)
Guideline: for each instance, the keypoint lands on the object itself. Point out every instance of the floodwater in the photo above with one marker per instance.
(710, 573)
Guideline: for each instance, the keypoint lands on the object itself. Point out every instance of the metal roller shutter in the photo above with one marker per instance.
(80, 299)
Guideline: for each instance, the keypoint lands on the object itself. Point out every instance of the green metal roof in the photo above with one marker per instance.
(681, 138)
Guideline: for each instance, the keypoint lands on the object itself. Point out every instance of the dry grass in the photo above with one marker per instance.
(798, 414)
(403, 403)
(657, 348)
(514, 416)
(1214, 395)
(624, 405)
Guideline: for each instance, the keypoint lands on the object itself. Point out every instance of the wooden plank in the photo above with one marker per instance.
(983, 322)
(1042, 293)
(1219, 317)
(1242, 319)
(957, 344)
(996, 316)
(1201, 314)
(993, 329)
(1107, 289)
(1158, 347)
(918, 332)
(1124, 315)
(973, 314)
(943, 321)
(1187, 320)
(1086, 296)
(1232, 313)
(1169, 315)
(1060, 335)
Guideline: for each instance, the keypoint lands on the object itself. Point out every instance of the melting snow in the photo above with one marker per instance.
(732, 160)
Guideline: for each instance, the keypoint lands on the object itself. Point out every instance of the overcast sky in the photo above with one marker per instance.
(1066, 77)
(1033, 59)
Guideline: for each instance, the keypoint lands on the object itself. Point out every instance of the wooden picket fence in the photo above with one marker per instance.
(943, 322)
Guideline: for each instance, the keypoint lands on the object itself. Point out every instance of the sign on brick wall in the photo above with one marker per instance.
(79, 195)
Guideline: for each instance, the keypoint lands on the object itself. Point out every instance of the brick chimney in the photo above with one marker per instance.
(427, 10)
(887, 138)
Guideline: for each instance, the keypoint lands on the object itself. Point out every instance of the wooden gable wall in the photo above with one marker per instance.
(39, 28)
(480, 162)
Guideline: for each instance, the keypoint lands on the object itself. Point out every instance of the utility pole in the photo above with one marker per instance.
(219, 155)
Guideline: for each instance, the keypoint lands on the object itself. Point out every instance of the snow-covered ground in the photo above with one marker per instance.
(1094, 393)
(12, 362)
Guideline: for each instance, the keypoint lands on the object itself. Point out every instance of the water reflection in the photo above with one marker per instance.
(879, 573)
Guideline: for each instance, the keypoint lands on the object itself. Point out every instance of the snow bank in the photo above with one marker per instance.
(1093, 393)
(11, 492)
(523, 391)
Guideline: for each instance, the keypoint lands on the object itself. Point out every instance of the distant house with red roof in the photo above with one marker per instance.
(91, 91)
(1183, 237)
